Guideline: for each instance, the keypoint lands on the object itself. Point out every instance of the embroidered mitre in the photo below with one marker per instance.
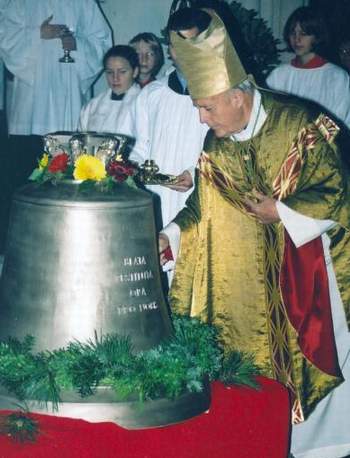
(208, 61)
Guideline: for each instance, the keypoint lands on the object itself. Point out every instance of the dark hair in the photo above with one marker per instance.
(125, 51)
(188, 18)
(312, 23)
(156, 46)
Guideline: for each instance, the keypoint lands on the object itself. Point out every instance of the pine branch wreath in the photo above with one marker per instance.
(176, 366)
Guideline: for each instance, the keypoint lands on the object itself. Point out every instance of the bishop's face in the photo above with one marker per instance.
(226, 113)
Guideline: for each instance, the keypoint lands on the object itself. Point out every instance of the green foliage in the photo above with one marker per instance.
(17, 365)
(43, 175)
(131, 182)
(262, 46)
(107, 185)
(19, 426)
(178, 365)
(239, 370)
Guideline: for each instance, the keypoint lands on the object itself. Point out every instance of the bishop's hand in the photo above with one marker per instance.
(183, 182)
(264, 208)
(163, 243)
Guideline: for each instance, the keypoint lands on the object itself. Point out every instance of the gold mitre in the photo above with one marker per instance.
(208, 61)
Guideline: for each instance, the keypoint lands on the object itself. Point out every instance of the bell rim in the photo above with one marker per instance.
(153, 413)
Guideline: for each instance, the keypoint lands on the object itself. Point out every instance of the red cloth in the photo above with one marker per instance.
(315, 62)
(241, 423)
(168, 254)
(305, 292)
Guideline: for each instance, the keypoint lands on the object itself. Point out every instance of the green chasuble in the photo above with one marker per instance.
(227, 271)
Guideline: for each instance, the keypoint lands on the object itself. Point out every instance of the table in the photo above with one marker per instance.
(241, 423)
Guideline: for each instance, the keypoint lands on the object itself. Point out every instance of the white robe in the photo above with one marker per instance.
(328, 85)
(47, 95)
(167, 129)
(102, 114)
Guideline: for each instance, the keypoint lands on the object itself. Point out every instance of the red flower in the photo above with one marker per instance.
(59, 163)
(120, 170)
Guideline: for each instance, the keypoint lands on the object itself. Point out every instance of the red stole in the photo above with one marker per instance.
(315, 62)
(305, 292)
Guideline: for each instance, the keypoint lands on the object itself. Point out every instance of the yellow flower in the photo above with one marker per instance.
(43, 161)
(88, 167)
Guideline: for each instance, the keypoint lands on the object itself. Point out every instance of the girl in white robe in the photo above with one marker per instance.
(111, 110)
(151, 56)
(309, 75)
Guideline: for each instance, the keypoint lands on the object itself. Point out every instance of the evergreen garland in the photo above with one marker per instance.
(263, 53)
(178, 365)
(19, 426)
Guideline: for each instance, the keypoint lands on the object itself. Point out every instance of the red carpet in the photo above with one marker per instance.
(242, 423)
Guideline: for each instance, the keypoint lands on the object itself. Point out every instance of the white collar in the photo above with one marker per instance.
(257, 119)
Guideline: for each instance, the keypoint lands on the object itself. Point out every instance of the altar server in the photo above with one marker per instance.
(109, 111)
(47, 95)
(309, 74)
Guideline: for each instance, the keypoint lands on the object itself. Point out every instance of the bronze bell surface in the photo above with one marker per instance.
(80, 263)
(76, 264)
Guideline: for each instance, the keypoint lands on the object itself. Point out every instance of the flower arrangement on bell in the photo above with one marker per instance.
(85, 169)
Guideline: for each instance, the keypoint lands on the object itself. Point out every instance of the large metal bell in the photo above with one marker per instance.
(79, 264)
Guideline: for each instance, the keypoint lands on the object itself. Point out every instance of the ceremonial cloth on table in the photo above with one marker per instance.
(241, 423)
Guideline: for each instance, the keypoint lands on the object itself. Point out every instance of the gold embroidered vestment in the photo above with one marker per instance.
(227, 272)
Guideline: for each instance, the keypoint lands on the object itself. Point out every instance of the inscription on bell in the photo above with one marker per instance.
(135, 276)
(137, 292)
(126, 309)
(137, 279)
(135, 261)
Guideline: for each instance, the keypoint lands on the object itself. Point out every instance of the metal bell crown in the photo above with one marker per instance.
(102, 145)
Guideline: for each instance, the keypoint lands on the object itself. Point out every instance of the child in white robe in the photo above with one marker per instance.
(110, 110)
(309, 75)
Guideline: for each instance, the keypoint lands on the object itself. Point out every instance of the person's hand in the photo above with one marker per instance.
(183, 182)
(68, 42)
(264, 209)
(163, 243)
(50, 31)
